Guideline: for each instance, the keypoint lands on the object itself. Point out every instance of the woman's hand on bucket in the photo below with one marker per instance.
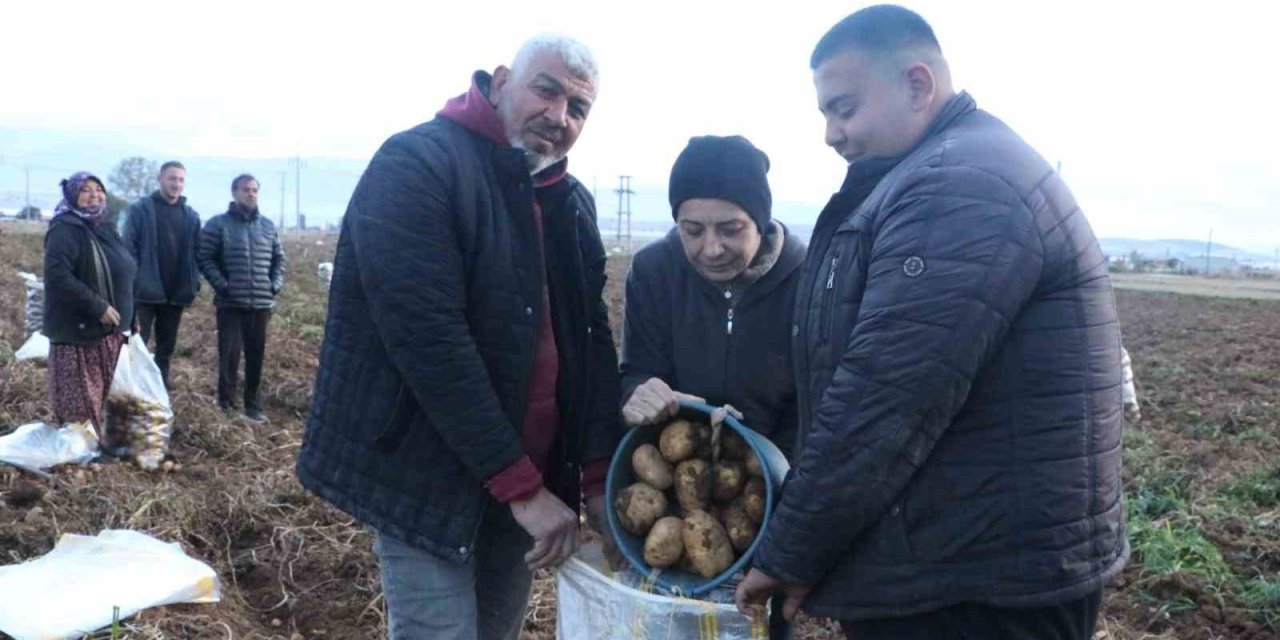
(653, 401)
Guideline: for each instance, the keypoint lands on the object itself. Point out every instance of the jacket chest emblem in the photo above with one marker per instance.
(913, 266)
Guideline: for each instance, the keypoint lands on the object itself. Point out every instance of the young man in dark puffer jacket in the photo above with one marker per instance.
(958, 370)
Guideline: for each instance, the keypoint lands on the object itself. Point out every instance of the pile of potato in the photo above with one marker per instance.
(697, 511)
(142, 425)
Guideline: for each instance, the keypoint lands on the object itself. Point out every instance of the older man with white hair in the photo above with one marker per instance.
(466, 401)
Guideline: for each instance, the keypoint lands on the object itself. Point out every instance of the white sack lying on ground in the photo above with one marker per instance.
(35, 348)
(40, 446)
(74, 589)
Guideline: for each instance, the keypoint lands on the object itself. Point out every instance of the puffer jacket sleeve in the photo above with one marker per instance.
(207, 256)
(412, 270)
(918, 343)
(195, 250)
(604, 417)
(277, 263)
(646, 332)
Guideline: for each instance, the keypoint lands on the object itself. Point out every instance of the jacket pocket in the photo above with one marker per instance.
(843, 257)
(397, 425)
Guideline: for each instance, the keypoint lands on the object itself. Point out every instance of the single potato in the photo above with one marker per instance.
(652, 468)
(638, 507)
(741, 529)
(733, 447)
(664, 546)
(677, 441)
(729, 478)
(707, 544)
(694, 485)
(753, 500)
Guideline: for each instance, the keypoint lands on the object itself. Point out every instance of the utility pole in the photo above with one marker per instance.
(27, 170)
(297, 189)
(624, 191)
(1208, 251)
(284, 175)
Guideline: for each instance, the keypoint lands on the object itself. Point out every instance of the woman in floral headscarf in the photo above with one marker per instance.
(88, 301)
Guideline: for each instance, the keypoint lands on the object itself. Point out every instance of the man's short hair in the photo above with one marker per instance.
(575, 55)
(172, 164)
(880, 30)
(235, 184)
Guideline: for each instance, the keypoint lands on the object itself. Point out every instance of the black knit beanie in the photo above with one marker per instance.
(725, 168)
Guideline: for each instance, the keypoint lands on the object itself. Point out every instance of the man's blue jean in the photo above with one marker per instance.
(431, 598)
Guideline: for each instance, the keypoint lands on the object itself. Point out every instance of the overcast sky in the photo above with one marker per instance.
(1164, 118)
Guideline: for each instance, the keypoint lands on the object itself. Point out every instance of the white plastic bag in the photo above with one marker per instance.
(591, 605)
(1128, 391)
(34, 317)
(325, 272)
(138, 410)
(40, 446)
(35, 348)
(72, 590)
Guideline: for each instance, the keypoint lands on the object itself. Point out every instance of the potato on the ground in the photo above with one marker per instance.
(707, 544)
(693, 485)
(753, 499)
(741, 529)
(652, 468)
(639, 506)
(752, 463)
(664, 546)
(677, 441)
(729, 477)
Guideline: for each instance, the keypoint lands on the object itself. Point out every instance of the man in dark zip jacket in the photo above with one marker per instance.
(163, 232)
(241, 257)
(467, 395)
(958, 370)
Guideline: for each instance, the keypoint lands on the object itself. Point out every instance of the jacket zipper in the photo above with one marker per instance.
(827, 298)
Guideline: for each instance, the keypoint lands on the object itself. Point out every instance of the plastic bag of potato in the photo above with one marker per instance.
(33, 319)
(139, 417)
(593, 604)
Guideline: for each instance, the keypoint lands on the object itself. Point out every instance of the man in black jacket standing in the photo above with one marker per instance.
(958, 363)
(162, 232)
(466, 401)
(241, 257)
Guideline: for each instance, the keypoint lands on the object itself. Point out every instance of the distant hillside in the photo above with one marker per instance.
(1181, 249)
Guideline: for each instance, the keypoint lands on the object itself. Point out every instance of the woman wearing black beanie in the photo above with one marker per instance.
(708, 307)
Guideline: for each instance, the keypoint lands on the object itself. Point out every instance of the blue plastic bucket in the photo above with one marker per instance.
(622, 475)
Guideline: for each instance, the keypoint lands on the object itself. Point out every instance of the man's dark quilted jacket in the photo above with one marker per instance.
(429, 345)
(958, 362)
(241, 257)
